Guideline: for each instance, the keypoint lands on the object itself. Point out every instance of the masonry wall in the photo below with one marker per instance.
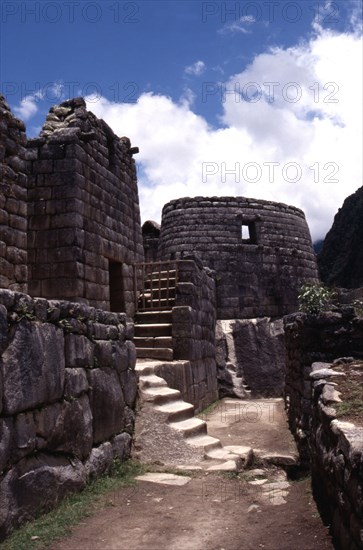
(84, 221)
(256, 277)
(13, 201)
(250, 357)
(67, 400)
(312, 338)
(331, 448)
(194, 373)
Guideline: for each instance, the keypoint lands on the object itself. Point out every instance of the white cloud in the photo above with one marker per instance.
(28, 106)
(196, 69)
(239, 25)
(320, 133)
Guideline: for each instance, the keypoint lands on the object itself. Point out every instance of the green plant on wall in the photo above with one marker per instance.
(315, 298)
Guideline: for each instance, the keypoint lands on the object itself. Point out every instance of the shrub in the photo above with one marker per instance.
(315, 298)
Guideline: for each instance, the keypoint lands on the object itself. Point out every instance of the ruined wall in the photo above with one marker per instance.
(312, 338)
(13, 201)
(333, 449)
(336, 448)
(260, 270)
(193, 330)
(67, 397)
(84, 220)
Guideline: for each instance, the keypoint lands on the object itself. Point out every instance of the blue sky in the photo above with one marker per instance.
(204, 89)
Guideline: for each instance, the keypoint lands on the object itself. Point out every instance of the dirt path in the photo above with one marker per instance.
(257, 508)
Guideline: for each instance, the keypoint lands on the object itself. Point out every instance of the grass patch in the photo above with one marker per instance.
(351, 393)
(203, 414)
(48, 528)
(352, 408)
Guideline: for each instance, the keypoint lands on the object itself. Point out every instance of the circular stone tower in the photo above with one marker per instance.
(261, 251)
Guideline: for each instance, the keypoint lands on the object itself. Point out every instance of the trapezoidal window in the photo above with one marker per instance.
(248, 233)
(117, 294)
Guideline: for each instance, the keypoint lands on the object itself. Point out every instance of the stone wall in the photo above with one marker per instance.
(261, 251)
(13, 201)
(250, 357)
(333, 449)
(312, 338)
(84, 221)
(67, 400)
(193, 329)
(336, 449)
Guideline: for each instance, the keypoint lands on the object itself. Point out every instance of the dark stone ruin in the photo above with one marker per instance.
(261, 251)
(84, 290)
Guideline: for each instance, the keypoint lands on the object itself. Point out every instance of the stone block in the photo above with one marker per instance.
(6, 441)
(107, 403)
(120, 357)
(79, 351)
(121, 446)
(3, 331)
(66, 427)
(32, 366)
(104, 353)
(24, 435)
(99, 460)
(75, 382)
(128, 381)
(36, 484)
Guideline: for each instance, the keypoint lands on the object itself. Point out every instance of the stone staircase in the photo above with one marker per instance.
(153, 335)
(153, 321)
(179, 415)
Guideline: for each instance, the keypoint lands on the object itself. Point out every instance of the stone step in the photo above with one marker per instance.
(227, 466)
(162, 354)
(153, 317)
(161, 395)
(221, 454)
(177, 411)
(157, 342)
(206, 442)
(145, 367)
(190, 427)
(151, 381)
(161, 329)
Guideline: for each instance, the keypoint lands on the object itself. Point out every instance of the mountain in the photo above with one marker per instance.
(340, 260)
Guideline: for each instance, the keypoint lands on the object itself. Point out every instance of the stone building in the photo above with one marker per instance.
(13, 201)
(83, 212)
(261, 251)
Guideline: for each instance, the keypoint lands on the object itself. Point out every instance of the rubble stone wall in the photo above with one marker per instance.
(257, 276)
(194, 373)
(84, 220)
(67, 400)
(13, 201)
(333, 449)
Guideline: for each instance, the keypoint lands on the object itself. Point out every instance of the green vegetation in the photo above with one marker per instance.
(47, 528)
(352, 407)
(315, 298)
(203, 414)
